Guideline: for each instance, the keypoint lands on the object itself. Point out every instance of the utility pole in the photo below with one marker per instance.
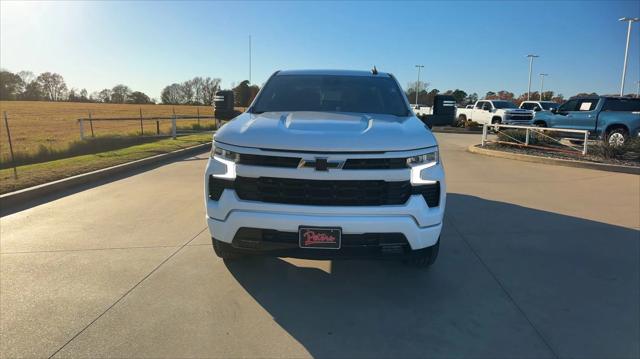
(542, 84)
(249, 59)
(638, 90)
(531, 57)
(629, 20)
(418, 83)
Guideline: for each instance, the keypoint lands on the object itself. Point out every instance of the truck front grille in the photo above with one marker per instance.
(349, 164)
(518, 117)
(324, 193)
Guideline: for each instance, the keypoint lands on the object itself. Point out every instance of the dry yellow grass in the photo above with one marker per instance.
(53, 124)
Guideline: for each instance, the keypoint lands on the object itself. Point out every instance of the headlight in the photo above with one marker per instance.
(225, 154)
(430, 157)
(419, 165)
(223, 163)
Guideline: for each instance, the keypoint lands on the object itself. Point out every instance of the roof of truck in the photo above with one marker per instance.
(332, 73)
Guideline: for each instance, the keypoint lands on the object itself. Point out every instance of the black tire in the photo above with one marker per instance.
(496, 121)
(540, 124)
(225, 250)
(425, 258)
(462, 118)
(617, 136)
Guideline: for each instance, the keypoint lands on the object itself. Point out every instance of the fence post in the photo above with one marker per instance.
(141, 128)
(198, 108)
(91, 124)
(81, 121)
(526, 141)
(157, 127)
(584, 144)
(13, 161)
(173, 124)
(484, 134)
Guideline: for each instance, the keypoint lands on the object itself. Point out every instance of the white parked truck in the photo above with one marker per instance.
(495, 111)
(317, 167)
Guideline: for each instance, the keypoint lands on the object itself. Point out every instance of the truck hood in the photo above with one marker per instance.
(326, 132)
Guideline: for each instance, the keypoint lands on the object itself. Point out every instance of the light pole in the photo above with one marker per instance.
(249, 59)
(530, 56)
(638, 90)
(542, 84)
(418, 83)
(629, 20)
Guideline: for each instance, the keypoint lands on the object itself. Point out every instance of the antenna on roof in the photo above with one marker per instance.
(374, 70)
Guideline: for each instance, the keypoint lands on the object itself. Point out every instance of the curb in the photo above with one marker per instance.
(455, 130)
(555, 161)
(13, 199)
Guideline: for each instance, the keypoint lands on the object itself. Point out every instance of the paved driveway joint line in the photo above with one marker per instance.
(128, 291)
(504, 289)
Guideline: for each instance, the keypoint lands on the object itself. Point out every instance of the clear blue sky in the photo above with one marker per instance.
(475, 46)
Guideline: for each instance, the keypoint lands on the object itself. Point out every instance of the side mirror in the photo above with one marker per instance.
(537, 109)
(554, 111)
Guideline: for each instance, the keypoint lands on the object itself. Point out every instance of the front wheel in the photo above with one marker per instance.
(617, 137)
(496, 121)
(425, 257)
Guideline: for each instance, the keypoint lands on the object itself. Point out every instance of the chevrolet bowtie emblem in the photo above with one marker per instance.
(321, 164)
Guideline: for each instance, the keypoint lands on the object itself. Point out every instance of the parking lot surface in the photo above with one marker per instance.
(535, 261)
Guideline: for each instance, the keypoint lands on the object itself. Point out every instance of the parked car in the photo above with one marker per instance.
(326, 164)
(611, 118)
(537, 106)
(495, 111)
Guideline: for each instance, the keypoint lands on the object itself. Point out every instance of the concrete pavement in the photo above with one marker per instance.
(536, 261)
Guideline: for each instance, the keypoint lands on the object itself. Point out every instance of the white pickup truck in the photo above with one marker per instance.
(495, 111)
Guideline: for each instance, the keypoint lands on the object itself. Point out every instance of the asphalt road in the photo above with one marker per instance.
(535, 261)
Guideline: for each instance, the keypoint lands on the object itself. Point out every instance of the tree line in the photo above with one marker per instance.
(48, 86)
(425, 96)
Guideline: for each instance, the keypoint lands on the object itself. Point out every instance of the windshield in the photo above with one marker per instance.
(549, 105)
(504, 104)
(331, 93)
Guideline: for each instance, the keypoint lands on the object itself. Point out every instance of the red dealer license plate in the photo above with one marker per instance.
(319, 237)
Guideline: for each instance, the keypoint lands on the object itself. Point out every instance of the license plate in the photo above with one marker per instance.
(320, 237)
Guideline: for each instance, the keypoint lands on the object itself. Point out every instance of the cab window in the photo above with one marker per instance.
(587, 105)
(479, 104)
(622, 104)
(570, 105)
(527, 106)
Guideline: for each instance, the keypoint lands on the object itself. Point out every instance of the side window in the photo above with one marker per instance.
(622, 104)
(587, 105)
(487, 105)
(527, 106)
(479, 104)
(570, 105)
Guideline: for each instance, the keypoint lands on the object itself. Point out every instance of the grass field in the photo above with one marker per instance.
(36, 125)
(35, 174)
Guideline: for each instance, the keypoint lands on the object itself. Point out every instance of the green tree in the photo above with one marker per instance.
(10, 85)
(139, 98)
(52, 85)
(245, 93)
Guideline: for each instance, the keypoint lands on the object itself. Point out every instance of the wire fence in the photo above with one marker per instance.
(31, 137)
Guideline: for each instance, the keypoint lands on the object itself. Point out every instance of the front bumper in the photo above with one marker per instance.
(420, 224)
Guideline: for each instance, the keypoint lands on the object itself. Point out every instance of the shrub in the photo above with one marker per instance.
(629, 151)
